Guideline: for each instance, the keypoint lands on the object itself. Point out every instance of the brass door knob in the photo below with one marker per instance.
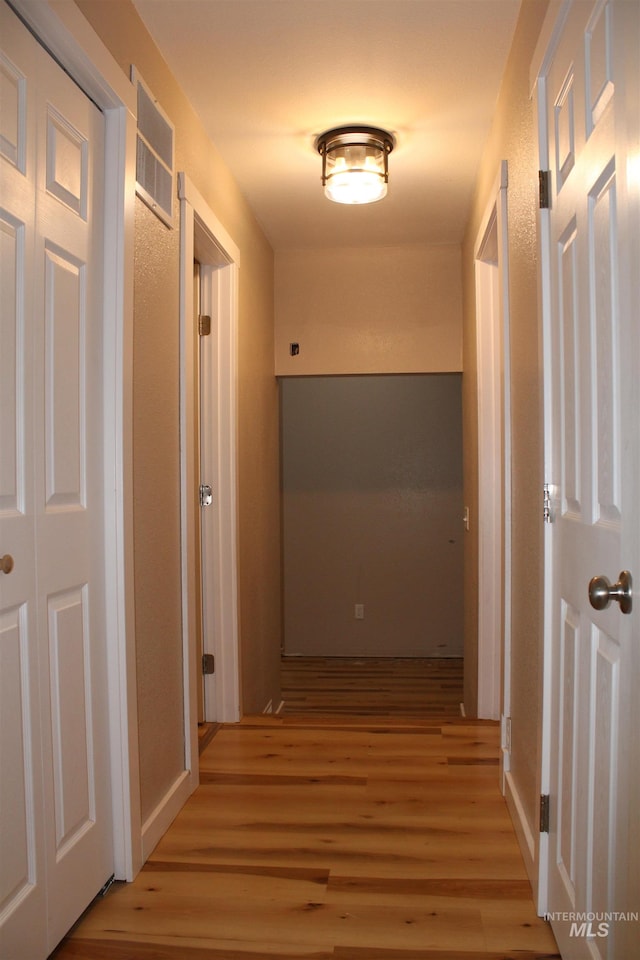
(6, 563)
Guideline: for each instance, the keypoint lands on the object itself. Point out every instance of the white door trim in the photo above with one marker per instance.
(203, 236)
(543, 56)
(69, 37)
(494, 458)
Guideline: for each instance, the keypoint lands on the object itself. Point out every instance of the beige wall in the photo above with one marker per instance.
(156, 520)
(513, 137)
(372, 515)
(369, 310)
(156, 431)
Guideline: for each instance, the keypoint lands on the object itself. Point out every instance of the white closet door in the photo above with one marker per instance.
(55, 831)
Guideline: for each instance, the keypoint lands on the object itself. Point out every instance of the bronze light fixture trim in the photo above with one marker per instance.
(355, 163)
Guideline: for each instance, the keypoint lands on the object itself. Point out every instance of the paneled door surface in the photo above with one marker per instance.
(55, 826)
(589, 119)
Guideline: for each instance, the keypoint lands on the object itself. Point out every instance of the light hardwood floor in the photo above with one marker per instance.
(372, 687)
(329, 833)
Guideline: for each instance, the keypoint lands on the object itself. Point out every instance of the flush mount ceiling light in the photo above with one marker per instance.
(355, 163)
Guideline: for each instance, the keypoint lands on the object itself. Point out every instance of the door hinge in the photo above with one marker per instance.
(544, 189)
(506, 733)
(206, 495)
(544, 813)
(208, 664)
(204, 325)
(546, 503)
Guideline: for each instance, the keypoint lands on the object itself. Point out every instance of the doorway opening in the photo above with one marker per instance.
(208, 459)
(494, 459)
(372, 516)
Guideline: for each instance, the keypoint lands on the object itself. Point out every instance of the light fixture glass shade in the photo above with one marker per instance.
(354, 163)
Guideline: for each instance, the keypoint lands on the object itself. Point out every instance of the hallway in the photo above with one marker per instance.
(332, 836)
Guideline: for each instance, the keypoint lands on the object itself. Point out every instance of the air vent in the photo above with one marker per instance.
(154, 154)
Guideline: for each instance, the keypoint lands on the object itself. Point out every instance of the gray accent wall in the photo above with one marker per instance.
(372, 515)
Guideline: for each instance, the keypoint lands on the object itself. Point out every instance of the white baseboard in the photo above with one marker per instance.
(524, 833)
(160, 819)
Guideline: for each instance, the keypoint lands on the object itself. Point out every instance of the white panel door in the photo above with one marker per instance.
(594, 447)
(55, 829)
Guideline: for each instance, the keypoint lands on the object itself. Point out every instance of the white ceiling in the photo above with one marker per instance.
(267, 76)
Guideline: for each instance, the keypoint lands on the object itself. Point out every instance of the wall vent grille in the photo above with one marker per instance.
(154, 153)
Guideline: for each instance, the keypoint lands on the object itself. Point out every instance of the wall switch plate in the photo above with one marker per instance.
(359, 611)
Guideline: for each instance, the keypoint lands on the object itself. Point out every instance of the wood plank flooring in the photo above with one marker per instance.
(372, 687)
(332, 835)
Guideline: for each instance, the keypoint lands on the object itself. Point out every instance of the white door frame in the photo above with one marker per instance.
(494, 462)
(543, 56)
(69, 37)
(203, 237)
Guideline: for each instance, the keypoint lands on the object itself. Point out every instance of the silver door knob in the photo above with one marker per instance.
(601, 592)
(6, 563)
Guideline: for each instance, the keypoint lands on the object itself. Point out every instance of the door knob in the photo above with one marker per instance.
(601, 592)
(6, 563)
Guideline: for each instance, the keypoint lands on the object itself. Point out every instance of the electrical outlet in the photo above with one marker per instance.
(359, 611)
